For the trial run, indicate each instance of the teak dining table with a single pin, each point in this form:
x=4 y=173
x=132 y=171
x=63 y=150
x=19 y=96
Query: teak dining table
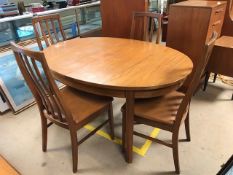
x=121 y=68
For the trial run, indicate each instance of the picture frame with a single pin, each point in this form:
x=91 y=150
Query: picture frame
x=3 y=103
x=13 y=86
x=227 y=168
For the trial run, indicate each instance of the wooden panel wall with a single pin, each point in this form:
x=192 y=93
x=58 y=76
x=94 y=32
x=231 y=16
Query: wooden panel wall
x=117 y=16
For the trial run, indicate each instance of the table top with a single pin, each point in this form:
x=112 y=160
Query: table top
x=224 y=41
x=118 y=63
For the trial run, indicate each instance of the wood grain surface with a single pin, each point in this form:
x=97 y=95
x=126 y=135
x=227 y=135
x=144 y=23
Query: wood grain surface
x=117 y=16
x=224 y=41
x=119 y=68
x=118 y=63
x=221 y=60
x=6 y=168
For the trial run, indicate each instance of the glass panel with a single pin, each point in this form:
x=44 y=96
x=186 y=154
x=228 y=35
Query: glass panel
x=68 y=19
x=158 y=6
x=6 y=34
x=90 y=19
x=23 y=29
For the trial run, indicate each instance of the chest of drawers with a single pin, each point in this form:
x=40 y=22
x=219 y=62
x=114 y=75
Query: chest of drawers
x=191 y=24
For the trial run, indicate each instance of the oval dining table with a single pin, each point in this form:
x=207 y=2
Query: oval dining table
x=123 y=68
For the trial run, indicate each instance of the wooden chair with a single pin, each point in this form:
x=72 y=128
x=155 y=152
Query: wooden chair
x=68 y=108
x=143 y=26
x=170 y=111
x=45 y=28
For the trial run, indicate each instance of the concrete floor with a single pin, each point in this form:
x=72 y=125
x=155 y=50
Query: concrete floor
x=211 y=145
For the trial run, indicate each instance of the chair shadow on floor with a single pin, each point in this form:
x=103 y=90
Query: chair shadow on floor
x=159 y=173
x=214 y=93
x=56 y=149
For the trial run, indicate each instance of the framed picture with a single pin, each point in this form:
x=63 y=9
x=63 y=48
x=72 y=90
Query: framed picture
x=12 y=83
x=3 y=103
x=227 y=169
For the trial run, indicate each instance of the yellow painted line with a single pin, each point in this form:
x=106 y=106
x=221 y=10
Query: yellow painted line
x=148 y=143
x=141 y=151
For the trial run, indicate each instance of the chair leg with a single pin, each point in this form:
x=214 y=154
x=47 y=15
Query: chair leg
x=44 y=133
x=175 y=152
x=207 y=76
x=215 y=77
x=187 y=127
x=232 y=97
x=111 y=121
x=123 y=130
x=74 y=145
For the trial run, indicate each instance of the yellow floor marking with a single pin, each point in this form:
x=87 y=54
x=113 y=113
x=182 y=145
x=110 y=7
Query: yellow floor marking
x=148 y=143
x=141 y=151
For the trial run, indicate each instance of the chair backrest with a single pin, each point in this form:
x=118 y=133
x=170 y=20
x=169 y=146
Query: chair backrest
x=195 y=80
x=47 y=28
x=143 y=26
x=40 y=81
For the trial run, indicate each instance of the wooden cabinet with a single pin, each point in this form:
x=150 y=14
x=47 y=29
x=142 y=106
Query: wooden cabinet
x=227 y=28
x=191 y=24
x=117 y=16
x=221 y=60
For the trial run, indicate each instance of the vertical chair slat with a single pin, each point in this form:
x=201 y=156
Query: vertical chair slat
x=61 y=30
x=41 y=91
x=147 y=31
x=49 y=94
x=43 y=33
x=132 y=28
x=35 y=26
x=159 y=29
x=49 y=33
x=54 y=30
x=151 y=29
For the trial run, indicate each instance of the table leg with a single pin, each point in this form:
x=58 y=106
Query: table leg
x=129 y=126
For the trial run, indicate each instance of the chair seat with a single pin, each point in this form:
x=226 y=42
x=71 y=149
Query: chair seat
x=160 y=109
x=83 y=105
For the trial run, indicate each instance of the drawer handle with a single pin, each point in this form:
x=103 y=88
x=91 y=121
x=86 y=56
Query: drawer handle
x=219 y=11
x=216 y=23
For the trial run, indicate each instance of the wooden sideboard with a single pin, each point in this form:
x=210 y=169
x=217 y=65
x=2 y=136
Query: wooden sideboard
x=191 y=24
x=117 y=16
x=221 y=60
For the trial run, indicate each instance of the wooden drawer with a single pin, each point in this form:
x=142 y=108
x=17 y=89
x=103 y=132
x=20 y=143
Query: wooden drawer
x=218 y=13
x=214 y=27
x=216 y=21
